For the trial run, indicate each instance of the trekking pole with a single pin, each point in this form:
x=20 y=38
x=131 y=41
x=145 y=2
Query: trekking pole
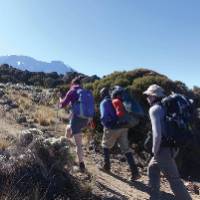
x=57 y=117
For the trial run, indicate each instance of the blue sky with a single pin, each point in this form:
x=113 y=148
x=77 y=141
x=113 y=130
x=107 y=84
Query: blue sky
x=102 y=36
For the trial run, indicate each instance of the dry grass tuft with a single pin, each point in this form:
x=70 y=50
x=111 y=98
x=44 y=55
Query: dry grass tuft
x=22 y=99
x=45 y=116
x=24 y=103
x=5 y=143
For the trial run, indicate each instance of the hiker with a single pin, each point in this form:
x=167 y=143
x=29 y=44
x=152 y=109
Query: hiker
x=128 y=110
x=76 y=122
x=113 y=133
x=163 y=156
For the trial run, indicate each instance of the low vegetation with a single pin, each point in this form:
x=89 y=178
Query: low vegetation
x=37 y=166
x=136 y=82
x=44 y=116
x=39 y=105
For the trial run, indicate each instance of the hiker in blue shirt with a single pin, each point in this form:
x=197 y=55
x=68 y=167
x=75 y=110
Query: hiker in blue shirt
x=163 y=157
x=113 y=133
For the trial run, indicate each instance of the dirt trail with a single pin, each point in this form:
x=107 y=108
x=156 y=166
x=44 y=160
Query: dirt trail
x=116 y=183
x=121 y=188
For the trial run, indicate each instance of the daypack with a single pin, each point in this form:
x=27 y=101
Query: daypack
x=84 y=107
x=132 y=108
x=178 y=118
x=132 y=105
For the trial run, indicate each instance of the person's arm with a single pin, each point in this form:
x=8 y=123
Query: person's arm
x=103 y=114
x=155 y=116
x=67 y=99
x=108 y=114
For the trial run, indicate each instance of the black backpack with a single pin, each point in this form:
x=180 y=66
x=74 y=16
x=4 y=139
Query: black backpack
x=178 y=118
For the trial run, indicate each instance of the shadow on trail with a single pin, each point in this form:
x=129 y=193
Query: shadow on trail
x=118 y=195
x=142 y=187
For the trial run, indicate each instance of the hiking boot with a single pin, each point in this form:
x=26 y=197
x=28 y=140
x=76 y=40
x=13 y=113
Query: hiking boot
x=82 y=167
x=133 y=167
x=134 y=177
x=104 y=167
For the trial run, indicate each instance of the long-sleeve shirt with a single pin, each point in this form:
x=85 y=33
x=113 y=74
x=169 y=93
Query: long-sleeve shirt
x=157 y=113
x=108 y=113
x=71 y=97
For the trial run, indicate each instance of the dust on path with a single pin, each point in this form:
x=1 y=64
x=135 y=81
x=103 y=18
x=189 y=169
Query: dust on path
x=117 y=182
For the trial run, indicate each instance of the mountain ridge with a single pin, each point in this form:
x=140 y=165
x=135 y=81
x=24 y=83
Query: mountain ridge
x=33 y=65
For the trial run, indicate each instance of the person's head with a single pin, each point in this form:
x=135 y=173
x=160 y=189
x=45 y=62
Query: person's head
x=76 y=81
x=104 y=92
x=117 y=92
x=154 y=93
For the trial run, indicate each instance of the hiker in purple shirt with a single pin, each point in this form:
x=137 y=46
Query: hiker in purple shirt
x=76 y=123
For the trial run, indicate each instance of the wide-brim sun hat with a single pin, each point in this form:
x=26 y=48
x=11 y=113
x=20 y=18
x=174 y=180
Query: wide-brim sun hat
x=155 y=90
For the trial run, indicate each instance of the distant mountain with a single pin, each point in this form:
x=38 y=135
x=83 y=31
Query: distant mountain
x=33 y=65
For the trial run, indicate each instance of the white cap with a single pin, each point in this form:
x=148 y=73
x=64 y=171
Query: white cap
x=155 y=90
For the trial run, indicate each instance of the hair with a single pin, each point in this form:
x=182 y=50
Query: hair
x=157 y=99
x=117 y=94
x=104 y=92
x=76 y=80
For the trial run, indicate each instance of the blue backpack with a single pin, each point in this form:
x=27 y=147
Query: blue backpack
x=178 y=118
x=131 y=105
x=84 y=107
x=133 y=110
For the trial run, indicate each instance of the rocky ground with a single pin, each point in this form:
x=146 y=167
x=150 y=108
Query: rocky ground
x=116 y=185
x=28 y=108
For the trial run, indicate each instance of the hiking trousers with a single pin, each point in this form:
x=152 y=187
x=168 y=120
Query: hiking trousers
x=165 y=162
x=111 y=136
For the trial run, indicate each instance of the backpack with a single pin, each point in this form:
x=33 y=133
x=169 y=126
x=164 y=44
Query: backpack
x=178 y=118
x=131 y=105
x=84 y=107
x=132 y=108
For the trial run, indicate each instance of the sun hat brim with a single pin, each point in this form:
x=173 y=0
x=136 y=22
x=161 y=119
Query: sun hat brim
x=156 y=93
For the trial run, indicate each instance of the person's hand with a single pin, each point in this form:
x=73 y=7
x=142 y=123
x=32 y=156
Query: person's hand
x=91 y=123
x=61 y=94
x=68 y=132
x=59 y=105
x=58 y=94
x=90 y=120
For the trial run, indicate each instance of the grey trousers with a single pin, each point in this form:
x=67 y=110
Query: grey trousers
x=165 y=162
